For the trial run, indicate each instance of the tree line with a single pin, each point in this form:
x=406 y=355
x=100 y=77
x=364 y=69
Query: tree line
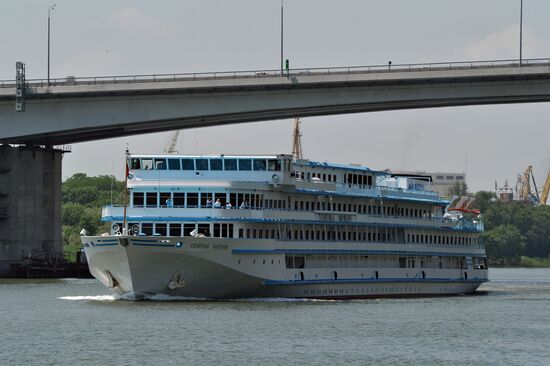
x=82 y=198
x=513 y=230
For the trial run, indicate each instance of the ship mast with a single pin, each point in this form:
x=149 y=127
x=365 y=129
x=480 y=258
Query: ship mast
x=297 y=152
x=127 y=171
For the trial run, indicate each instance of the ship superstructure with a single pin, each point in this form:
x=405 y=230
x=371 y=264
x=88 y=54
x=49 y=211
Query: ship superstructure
x=275 y=226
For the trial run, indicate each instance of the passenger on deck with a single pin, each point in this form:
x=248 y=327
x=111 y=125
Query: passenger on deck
x=169 y=202
x=218 y=204
x=228 y=205
x=209 y=203
x=243 y=205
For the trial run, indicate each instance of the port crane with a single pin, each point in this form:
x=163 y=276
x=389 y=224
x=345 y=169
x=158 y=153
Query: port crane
x=545 y=190
x=523 y=187
x=526 y=188
x=526 y=193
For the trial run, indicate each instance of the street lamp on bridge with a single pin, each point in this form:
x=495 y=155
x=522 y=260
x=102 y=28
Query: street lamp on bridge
x=49 y=15
x=520 y=32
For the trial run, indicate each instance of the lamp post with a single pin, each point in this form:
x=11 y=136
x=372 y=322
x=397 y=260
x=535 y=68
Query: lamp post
x=49 y=15
x=282 y=72
x=520 y=32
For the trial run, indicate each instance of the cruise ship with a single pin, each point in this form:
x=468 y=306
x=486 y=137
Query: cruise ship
x=220 y=227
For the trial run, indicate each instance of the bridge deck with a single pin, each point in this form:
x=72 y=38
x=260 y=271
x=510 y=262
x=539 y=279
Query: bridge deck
x=80 y=109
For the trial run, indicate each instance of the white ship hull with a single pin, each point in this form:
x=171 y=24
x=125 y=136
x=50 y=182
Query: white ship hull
x=214 y=268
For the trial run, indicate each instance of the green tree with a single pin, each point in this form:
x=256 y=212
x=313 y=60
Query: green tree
x=504 y=242
x=458 y=189
x=538 y=234
x=82 y=199
x=483 y=199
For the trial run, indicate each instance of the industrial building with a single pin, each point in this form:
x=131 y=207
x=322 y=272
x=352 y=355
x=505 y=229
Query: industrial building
x=440 y=182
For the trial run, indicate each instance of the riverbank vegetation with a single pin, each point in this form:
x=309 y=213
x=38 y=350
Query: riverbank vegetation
x=82 y=198
x=516 y=233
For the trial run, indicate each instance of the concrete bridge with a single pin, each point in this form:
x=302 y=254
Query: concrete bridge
x=79 y=109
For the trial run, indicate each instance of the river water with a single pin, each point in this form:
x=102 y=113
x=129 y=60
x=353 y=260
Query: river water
x=73 y=322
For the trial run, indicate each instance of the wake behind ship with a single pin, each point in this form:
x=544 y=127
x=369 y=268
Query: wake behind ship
x=273 y=226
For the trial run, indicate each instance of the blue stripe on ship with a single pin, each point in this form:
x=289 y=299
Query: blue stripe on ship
x=352 y=251
x=371 y=280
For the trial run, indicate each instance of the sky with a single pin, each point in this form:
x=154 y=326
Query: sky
x=123 y=37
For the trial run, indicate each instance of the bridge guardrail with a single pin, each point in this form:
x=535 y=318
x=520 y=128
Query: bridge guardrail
x=386 y=68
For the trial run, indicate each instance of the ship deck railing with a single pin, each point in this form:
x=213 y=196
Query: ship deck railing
x=355 y=189
x=460 y=224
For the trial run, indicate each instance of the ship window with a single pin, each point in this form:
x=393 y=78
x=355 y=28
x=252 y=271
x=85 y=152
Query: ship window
x=217 y=230
x=439 y=177
x=135 y=163
x=459 y=177
x=160 y=229
x=274 y=165
x=164 y=196
x=175 y=229
x=450 y=177
x=187 y=228
x=192 y=199
x=179 y=199
x=202 y=164
x=204 y=229
x=147 y=164
x=241 y=233
x=174 y=164
x=245 y=164
x=147 y=229
x=138 y=199
x=151 y=199
x=259 y=164
x=187 y=164
x=230 y=164
x=160 y=164
x=215 y=164
x=233 y=200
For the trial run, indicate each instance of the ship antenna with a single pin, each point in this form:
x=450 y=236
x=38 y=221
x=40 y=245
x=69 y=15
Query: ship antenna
x=127 y=171
x=297 y=152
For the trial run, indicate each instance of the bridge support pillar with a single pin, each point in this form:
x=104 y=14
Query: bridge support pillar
x=30 y=203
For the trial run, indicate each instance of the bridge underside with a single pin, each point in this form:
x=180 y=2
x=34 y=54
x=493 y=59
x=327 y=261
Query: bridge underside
x=74 y=113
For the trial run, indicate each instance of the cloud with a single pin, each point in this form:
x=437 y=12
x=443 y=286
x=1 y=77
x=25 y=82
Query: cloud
x=132 y=21
x=504 y=44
